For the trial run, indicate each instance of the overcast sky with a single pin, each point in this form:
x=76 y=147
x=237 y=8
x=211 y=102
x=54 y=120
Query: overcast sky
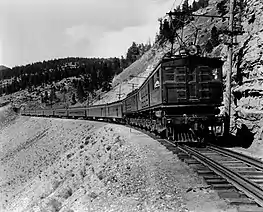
x=36 y=30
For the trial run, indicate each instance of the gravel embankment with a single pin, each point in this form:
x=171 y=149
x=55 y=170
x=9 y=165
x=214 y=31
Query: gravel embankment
x=75 y=166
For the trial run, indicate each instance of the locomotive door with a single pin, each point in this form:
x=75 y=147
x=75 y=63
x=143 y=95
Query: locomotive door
x=193 y=84
x=175 y=83
x=204 y=77
x=198 y=79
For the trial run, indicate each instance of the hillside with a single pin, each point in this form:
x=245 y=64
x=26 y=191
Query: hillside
x=134 y=74
x=2 y=70
x=3 y=67
x=51 y=165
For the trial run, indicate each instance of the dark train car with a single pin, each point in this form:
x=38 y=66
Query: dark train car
x=61 y=112
x=77 y=112
x=130 y=103
x=114 y=111
x=25 y=112
x=150 y=93
x=96 y=111
x=32 y=112
x=48 y=112
x=39 y=112
x=155 y=87
x=143 y=97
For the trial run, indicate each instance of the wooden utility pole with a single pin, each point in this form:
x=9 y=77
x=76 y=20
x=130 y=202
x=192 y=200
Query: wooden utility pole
x=230 y=59
x=120 y=94
x=133 y=85
x=231 y=32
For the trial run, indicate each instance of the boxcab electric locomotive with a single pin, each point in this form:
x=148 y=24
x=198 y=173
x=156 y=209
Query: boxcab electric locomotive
x=181 y=96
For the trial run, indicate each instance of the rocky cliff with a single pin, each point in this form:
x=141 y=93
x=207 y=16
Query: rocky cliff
x=248 y=69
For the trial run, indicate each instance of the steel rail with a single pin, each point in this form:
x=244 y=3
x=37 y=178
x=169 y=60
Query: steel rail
x=248 y=187
x=247 y=159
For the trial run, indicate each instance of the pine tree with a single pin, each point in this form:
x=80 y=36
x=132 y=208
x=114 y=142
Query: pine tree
x=133 y=53
x=195 y=6
x=209 y=46
x=46 y=96
x=222 y=7
x=52 y=96
x=185 y=6
x=73 y=99
x=206 y=3
x=80 y=91
x=214 y=36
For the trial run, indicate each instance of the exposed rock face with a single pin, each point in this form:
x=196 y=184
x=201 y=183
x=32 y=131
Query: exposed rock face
x=248 y=71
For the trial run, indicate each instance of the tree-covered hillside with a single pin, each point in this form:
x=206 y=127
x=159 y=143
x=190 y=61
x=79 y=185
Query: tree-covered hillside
x=92 y=73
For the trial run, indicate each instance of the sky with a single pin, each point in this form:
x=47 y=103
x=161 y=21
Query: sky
x=37 y=30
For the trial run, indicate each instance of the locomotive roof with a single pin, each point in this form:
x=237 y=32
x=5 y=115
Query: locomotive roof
x=213 y=62
x=187 y=60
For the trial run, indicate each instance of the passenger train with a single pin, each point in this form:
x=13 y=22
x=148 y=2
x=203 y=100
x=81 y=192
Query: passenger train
x=181 y=97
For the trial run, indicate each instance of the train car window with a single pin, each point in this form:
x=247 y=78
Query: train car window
x=140 y=95
x=157 y=84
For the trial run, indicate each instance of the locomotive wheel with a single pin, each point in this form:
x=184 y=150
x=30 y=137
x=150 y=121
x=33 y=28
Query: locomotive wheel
x=164 y=134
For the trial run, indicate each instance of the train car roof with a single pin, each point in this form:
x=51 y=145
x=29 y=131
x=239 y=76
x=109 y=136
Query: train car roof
x=112 y=103
x=133 y=92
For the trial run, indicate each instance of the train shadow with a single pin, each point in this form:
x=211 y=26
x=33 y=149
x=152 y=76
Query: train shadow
x=243 y=138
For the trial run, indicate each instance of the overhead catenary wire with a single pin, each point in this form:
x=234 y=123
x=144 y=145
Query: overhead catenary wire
x=173 y=6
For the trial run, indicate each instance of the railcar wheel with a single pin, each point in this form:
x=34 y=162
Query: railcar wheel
x=171 y=133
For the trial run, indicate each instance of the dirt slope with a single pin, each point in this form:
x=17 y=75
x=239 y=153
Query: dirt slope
x=49 y=165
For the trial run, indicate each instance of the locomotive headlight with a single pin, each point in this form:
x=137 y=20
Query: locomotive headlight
x=169 y=121
x=192 y=50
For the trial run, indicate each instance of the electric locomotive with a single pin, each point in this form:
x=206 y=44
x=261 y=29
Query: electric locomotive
x=180 y=99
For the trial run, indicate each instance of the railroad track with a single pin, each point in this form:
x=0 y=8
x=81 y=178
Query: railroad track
x=236 y=177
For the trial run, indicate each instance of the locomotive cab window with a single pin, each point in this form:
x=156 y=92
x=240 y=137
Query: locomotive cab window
x=156 y=80
x=217 y=74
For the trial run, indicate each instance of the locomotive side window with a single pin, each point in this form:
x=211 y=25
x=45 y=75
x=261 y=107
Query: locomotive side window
x=204 y=73
x=180 y=74
x=169 y=74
